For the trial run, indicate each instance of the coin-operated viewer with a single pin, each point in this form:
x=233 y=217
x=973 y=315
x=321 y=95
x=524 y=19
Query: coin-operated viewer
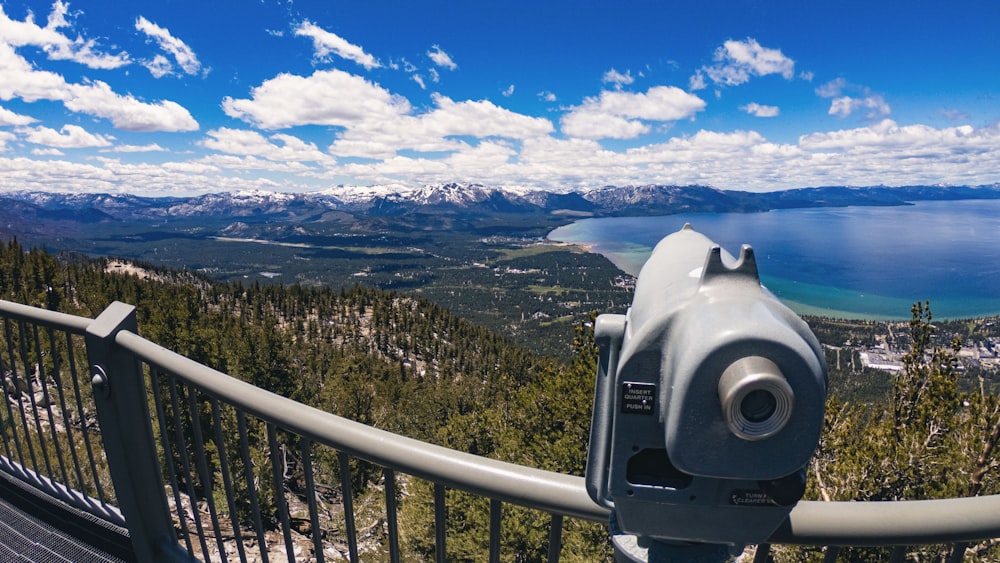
x=709 y=401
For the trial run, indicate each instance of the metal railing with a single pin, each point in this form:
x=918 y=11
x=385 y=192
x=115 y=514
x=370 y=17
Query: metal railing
x=50 y=437
x=197 y=464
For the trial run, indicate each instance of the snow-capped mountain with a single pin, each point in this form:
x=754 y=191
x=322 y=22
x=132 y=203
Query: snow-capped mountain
x=655 y=199
x=247 y=204
x=458 y=200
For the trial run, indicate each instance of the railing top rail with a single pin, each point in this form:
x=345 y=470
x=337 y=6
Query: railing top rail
x=829 y=523
x=907 y=522
x=45 y=317
x=553 y=492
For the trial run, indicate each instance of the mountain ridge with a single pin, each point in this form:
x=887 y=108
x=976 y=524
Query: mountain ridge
x=468 y=200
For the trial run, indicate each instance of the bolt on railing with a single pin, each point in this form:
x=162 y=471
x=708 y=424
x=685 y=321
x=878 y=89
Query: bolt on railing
x=199 y=464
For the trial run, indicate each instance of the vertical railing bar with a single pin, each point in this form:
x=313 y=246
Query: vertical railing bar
x=555 y=538
x=39 y=433
x=391 y=511
x=762 y=553
x=278 y=474
x=5 y=423
x=83 y=429
x=81 y=484
x=258 y=526
x=48 y=398
x=495 y=518
x=168 y=458
x=186 y=464
x=10 y=409
x=347 y=488
x=227 y=481
x=20 y=402
x=832 y=552
x=31 y=394
x=311 y=497
x=25 y=359
x=957 y=554
x=440 y=524
x=205 y=476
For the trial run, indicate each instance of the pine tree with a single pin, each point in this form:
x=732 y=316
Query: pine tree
x=930 y=442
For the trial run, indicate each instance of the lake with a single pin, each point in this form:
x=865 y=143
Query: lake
x=848 y=262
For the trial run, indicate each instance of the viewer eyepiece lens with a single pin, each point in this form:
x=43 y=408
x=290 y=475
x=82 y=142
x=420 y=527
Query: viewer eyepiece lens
x=756 y=399
x=758 y=405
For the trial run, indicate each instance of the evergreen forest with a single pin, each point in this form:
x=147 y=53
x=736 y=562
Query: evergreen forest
x=403 y=363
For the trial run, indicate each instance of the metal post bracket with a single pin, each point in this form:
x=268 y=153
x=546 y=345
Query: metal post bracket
x=123 y=415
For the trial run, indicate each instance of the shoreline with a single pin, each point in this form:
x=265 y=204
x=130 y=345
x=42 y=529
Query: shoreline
x=799 y=307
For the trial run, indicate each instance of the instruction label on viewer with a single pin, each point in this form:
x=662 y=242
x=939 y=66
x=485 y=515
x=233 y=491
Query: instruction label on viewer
x=638 y=398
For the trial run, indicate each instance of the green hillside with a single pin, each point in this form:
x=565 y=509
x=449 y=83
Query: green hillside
x=402 y=363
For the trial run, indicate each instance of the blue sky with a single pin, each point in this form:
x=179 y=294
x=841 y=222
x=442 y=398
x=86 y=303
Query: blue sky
x=181 y=97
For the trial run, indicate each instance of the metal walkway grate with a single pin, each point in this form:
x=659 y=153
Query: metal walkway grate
x=41 y=530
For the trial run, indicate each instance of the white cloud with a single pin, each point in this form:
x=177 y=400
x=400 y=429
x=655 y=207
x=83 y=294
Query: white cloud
x=180 y=51
x=152 y=147
x=420 y=81
x=279 y=148
x=737 y=61
x=327 y=97
x=326 y=43
x=18 y=79
x=849 y=98
x=441 y=58
x=887 y=134
x=587 y=124
x=952 y=114
x=478 y=161
x=466 y=165
x=832 y=88
x=618 y=115
x=618 y=79
x=547 y=96
x=6 y=137
x=438 y=129
x=844 y=106
x=480 y=119
x=227 y=163
x=408 y=66
x=697 y=81
x=54 y=43
x=733 y=160
x=884 y=152
x=126 y=112
x=159 y=66
x=758 y=110
x=508 y=91
x=659 y=103
x=110 y=175
x=8 y=118
x=69 y=137
x=375 y=122
x=47 y=152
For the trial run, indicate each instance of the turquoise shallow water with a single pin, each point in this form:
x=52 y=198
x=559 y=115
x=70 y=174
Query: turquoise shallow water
x=853 y=262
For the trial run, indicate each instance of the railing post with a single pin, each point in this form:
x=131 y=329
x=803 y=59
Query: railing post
x=123 y=414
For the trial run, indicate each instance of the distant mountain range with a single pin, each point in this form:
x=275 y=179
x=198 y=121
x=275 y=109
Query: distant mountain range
x=459 y=200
